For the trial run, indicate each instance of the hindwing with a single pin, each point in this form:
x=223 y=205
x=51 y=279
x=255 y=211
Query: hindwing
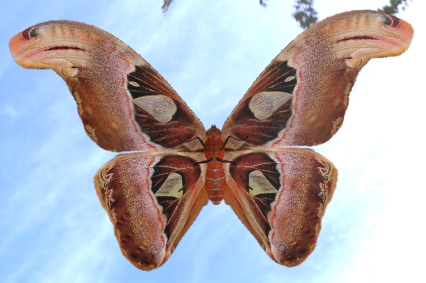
x=153 y=194
x=280 y=196
x=151 y=199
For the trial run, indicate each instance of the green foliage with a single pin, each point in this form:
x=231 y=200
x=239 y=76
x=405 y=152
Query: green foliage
x=306 y=15
x=166 y=5
x=393 y=7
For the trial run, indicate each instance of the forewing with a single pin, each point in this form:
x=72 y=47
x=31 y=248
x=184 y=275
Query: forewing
x=151 y=199
x=281 y=196
x=123 y=102
x=301 y=97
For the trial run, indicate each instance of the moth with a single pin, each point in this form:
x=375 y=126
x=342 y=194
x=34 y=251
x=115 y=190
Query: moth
x=258 y=163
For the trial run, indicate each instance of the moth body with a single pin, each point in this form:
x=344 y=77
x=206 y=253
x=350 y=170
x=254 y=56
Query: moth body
x=215 y=175
x=278 y=188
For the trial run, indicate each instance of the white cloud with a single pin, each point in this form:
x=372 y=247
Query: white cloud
x=9 y=110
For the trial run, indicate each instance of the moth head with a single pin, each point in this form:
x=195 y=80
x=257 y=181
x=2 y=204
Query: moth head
x=213 y=130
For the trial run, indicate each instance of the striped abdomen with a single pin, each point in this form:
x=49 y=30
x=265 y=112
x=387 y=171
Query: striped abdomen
x=215 y=176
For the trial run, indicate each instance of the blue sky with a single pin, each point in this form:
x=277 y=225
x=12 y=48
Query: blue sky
x=53 y=228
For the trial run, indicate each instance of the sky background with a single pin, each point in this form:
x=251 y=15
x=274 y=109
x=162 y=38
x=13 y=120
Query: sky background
x=53 y=228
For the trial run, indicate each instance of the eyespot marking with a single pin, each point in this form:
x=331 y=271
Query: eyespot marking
x=264 y=104
x=135 y=84
x=259 y=184
x=29 y=33
x=391 y=21
x=172 y=186
x=160 y=107
x=289 y=78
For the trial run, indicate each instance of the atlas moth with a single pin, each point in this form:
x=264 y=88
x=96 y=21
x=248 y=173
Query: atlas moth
x=258 y=163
